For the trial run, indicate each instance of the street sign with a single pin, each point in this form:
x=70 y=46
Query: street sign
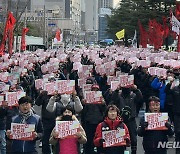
x=51 y=24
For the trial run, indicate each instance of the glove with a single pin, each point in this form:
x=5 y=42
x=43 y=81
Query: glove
x=145 y=124
x=168 y=125
x=101 y=141
x=128 y=142
x=43 y=93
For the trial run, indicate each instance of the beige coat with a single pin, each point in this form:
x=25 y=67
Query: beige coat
x=81 y=140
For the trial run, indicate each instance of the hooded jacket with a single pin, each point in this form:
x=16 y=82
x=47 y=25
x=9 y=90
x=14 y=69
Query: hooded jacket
x=57 y=142
x=156 y=84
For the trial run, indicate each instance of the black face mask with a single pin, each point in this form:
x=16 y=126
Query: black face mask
x=67 y=118
x=126 y=91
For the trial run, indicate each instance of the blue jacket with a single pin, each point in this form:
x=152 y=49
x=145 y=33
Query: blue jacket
x=27 y=146
x=156 y=84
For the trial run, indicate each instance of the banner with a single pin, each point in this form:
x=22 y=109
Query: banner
x=23 y=41
x=175 y=24
x=22 y=131
x=120 y=34
x=114 y=138
x=156 y=121
x=67 y=129
x=10 y=22
x=58 y=36
x=143 y=35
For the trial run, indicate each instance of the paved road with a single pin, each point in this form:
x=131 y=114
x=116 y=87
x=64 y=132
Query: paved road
x=140 y=148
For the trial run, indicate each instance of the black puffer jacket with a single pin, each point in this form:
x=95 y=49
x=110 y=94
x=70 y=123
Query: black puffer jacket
x=3 y=113
x=176 y=98
x=152 y=137
x=43 y=100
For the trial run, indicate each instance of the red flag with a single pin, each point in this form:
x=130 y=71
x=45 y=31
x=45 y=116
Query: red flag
x=143 y=35
x=10 y=22
x=156 y=34
x=23 y=41
x=151 y=31
x=177 y=12
x=165 y=26
x=58 y=34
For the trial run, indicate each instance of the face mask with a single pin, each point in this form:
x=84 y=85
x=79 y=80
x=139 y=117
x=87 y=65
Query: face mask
x=126 y=91
x=66 y=118
x=170 y=78
x=65 y=98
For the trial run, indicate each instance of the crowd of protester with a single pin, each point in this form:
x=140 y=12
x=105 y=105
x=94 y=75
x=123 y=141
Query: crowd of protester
x=118 y=109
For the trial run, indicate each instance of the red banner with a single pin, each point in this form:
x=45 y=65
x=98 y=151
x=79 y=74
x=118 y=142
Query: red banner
x=143 y=35
x=23 y=41
x=10 y=22
x=58 y=34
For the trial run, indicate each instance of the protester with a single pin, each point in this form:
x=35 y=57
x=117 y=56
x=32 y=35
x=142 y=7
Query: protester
x=112 y=121
x=91 y=116
x=67 y=145
x=3 y=114
x=48 y=120
x=175 y=92
x=57 y=102
x=159 y=83
x=26 y=116
x=151 y=138
x=126 y=101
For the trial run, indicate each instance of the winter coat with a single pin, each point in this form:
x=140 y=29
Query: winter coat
x=152 y=137
x=156 y=84
x=27 y=146
x=3 y=113
x=176 y=98
x=111 y=125
x=68 y=144
x=120 y=101
x=93 y=113
x=43 y=100
x=53 y=106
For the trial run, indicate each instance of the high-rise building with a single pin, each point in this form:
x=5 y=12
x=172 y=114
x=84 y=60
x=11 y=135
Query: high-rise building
x=91 y=20
x=105 y=3
x=64 y=14
x=104 y=7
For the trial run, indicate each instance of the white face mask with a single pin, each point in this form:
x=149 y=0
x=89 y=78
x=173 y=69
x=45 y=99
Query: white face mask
x=65 y=98
x=170 y=78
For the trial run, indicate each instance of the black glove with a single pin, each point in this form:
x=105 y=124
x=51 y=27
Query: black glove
x=145 y=124
x=43 y=93
x=101 y=141
x=128 y=142
x=168 y=125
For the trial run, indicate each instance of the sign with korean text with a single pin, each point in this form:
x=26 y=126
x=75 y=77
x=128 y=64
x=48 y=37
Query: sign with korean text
x=114 y=138
x=22 y=131
x=93 y=97
x=67 y=129
x=65 y=86
x=156 y=121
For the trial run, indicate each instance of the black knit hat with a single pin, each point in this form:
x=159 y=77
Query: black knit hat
x=68 y=107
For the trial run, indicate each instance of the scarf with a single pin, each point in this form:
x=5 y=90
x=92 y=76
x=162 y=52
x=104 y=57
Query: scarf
x=25 y=116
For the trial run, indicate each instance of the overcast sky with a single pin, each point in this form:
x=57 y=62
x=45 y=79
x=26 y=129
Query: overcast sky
x=116 y=2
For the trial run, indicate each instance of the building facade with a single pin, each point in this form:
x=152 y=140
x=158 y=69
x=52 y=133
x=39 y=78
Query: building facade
x=91 y=21
x=104 y=7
